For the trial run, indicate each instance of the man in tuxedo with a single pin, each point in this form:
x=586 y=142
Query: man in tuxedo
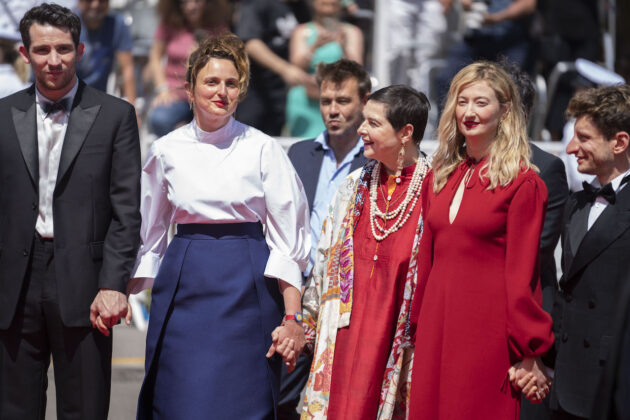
x=595 y=245
x=69 y=226
x=322 y=163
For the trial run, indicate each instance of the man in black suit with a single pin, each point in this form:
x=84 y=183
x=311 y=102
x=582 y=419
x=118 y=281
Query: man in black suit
x=322 y=164
x=595 y=249
x=553 y=174
x=69 y=226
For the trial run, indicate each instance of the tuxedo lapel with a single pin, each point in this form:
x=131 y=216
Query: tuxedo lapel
x=578 y=225
x=25 y=124
x=611 y=224
x=81 y=119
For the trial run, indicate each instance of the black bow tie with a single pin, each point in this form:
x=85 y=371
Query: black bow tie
x=53 y=107
x=607 y=192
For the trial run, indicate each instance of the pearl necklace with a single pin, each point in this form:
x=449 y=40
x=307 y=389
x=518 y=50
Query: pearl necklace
x=403 y=211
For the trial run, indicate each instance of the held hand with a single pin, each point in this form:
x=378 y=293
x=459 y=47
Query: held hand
x=107 y=309
x=293 y=330
x=284 y=348
x=531 y=377
x=274 y=342
x=288 y=341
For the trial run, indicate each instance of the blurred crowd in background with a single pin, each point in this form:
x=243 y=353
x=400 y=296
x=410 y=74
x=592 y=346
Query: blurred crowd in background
x=138 y=49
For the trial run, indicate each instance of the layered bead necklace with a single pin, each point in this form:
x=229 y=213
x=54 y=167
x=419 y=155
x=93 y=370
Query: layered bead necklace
x=379 y=218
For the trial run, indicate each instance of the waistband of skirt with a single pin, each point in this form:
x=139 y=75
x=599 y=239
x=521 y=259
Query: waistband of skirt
x=220 y=230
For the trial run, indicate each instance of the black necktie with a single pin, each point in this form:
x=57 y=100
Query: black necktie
x=54 y=107
x=607 y=192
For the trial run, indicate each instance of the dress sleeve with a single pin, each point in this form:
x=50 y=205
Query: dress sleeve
x=286 y=218
x=425 y=257
x=529 y=326
x=156 y=214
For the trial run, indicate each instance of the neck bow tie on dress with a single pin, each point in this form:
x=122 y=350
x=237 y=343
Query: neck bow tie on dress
x=54 y=107
x=607 y=192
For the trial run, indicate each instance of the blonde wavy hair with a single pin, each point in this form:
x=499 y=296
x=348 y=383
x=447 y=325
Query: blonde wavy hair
x=509 y=153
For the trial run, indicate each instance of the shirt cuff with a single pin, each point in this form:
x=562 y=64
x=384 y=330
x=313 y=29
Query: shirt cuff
x=138 y=284
x=283 y=268
x=147 y=265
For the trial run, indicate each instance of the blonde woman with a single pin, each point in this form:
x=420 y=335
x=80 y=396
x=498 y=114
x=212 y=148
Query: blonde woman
x=478 y=301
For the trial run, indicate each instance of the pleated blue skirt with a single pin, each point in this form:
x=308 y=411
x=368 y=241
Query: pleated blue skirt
x=212 y=313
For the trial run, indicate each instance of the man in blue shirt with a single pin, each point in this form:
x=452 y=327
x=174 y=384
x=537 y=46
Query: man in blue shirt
x=105 y=36
x=322 y=163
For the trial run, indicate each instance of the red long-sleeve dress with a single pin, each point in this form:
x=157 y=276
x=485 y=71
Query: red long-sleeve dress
x=478 y=300
x=362 y=349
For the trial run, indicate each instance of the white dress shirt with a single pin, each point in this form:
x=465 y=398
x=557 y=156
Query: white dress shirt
x=232 y=175
x=330 y=177
x=51 y=130
x=600 y=203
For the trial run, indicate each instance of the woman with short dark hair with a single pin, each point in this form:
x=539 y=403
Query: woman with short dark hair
x=357 y=300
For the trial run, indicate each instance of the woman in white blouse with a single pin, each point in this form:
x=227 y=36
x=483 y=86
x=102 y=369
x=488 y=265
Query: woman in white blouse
x=242 y=242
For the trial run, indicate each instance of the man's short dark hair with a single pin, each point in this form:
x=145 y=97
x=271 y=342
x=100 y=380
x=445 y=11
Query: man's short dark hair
x=342 y=70
x=608 y=107
x=523 y=83
x=405 y=105
x=50 y=14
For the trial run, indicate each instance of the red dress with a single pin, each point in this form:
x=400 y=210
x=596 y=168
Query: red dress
x=478 y=300
x=362 y=349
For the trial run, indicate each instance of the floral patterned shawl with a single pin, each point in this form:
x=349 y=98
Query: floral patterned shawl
x=327 y=303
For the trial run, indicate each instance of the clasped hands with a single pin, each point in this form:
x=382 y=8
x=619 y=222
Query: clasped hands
x=288 y=341
x=108 y=307
x=532 y=377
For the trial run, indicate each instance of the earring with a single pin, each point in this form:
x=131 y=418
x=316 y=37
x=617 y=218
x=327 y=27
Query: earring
x=400 y=162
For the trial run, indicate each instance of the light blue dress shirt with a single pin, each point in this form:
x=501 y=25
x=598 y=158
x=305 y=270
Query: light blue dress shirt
x=330 y=176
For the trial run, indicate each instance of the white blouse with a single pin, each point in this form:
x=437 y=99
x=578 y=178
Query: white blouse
x=232 y=175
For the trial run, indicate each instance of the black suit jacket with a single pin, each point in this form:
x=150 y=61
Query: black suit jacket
x=613 y=398
x=95 y=202
x=307 y=157
x=554 y=176
x=594 y=271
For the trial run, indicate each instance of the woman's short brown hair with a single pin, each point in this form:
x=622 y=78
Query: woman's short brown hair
x=226 y=46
